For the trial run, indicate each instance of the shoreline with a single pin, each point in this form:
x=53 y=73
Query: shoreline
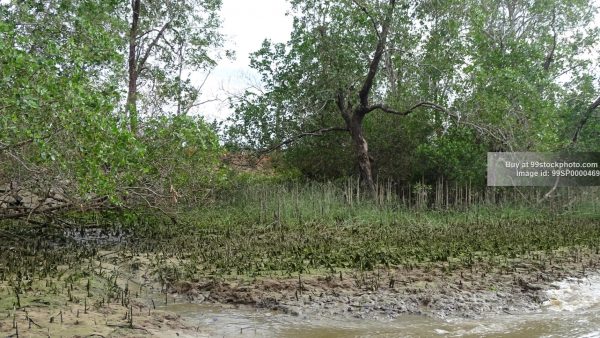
x=463 y=293
x=435 y=290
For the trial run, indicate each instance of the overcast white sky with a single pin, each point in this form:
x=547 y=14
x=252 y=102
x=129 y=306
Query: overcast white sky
x=245 y=24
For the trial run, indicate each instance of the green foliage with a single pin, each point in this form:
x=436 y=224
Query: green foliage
x=457 y=155
x=182 y=158
x=62 y=129
x=517 y=74
x=512 y=76
x=191 y=42
x=326 y=53
x=56 y=99
x=329 y=162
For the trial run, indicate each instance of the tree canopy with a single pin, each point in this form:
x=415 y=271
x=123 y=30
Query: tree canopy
x=65 y=142
x=98 y=108
x=514 y=75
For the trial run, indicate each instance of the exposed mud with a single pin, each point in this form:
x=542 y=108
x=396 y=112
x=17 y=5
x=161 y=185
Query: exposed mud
x=124 y=294
x=110 y=296
x=432 y=291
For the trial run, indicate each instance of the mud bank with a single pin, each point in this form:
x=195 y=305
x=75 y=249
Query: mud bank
x=127 y=295
x=101 y=297
x=478 y=291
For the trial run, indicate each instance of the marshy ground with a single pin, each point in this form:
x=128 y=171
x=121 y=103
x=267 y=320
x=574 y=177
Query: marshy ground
x=103 y=276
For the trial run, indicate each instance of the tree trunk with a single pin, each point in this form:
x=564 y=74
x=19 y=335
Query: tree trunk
x=354 y=116
x=133 y=71
x=362 y=152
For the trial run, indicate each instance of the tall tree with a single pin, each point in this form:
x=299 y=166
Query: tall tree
x=332 y=67
x=528 y=64
x=493 y=66
x=62 y=144
x=166 y=39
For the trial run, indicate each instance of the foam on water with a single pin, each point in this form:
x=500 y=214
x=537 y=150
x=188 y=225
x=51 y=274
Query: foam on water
x=595 y=334
x=574 y=294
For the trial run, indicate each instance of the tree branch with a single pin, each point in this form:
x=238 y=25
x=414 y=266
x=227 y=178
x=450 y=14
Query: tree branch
x=586 y=117
x=502 y=138
x=550 y=56
x=28 y=212
x=4 y=146
x=373 y=22
x=340 y=100
x=142 y=62
x=425 y=104
x=318 y=132
x=363 y=95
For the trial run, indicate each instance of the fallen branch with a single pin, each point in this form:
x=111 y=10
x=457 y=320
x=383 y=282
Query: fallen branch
x=96 y=204
x=27 y=213
x=5 y=146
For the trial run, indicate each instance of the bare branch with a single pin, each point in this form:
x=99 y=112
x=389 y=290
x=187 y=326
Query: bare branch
x=586 y=117
x=15 y=145
x=152 y=192
x=142 y=62
x=423 y=104
x=550 y=56
x=204 y=80
x=549 y=193
x=28 y=213
x=481 y=129
x=22 y=162
x=147 y=32
x=363 y=95
x=173 y=49
x=172 y=216
x=318 y=132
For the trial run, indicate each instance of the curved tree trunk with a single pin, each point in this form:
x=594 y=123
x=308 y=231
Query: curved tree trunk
x=354 y=115
x=362 y=152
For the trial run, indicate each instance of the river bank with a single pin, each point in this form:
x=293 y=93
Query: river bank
x=122 y=295
x=478 y=291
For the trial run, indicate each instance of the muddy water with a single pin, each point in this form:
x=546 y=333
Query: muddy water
x=573 y=310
